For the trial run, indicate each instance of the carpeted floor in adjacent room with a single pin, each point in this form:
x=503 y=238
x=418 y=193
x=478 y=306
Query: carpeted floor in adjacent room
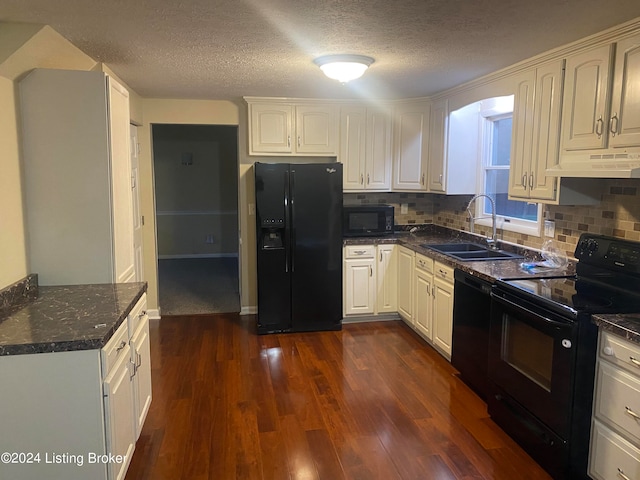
x=198 y=285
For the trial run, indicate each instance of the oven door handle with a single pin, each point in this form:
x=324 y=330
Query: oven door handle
x=531 y=312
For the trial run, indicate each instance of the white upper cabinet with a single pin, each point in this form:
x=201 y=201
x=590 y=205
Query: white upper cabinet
x=624 y=126
x=453 y=149
x=601 y=100
x=411 y=145
x=287 y=128
x=438 y=146
x=586 y=99
x=365 y=148
x=536 y=133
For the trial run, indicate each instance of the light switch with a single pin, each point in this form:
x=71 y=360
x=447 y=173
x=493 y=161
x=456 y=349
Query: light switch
x=404 y=208
x=549 y=228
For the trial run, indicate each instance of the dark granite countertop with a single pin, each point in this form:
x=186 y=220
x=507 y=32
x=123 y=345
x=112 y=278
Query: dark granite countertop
x=67 y=318
x=626 y=325
x=489 y=270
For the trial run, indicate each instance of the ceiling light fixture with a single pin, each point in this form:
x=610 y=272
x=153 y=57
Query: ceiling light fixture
x=343 y=68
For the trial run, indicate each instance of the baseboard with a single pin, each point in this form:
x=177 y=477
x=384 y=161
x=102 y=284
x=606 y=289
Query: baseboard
x=384 y=317
x=197 y=255
x=154 y=314
x=251 y=310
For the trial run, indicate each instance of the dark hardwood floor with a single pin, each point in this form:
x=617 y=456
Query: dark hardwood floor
x=372 y=401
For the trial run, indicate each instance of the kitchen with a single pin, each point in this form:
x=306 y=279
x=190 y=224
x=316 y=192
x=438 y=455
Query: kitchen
x=616 y=215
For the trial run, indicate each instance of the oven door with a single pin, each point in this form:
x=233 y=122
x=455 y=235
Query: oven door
x=531 y=358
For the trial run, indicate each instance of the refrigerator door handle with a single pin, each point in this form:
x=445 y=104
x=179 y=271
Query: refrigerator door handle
x=292 y=189
x=286 y=221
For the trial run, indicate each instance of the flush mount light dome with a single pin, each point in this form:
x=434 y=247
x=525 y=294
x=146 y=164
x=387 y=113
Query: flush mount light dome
x=343 y=68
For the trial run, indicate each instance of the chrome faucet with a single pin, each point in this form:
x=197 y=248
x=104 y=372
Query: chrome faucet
x=493 y=241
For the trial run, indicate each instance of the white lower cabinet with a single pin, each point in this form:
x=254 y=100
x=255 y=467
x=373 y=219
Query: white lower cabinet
x=78 y=410
x=369 y=280
x=406 y=258
x=442 y=308
x=423 y=296
x=615 y=431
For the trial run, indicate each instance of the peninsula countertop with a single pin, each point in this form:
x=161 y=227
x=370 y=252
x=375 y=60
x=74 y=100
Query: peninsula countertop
x=67 y=318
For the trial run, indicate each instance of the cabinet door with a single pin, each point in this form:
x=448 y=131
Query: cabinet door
x=423 y=303
x=378 y=150
x=270 y=128
x=438 y=146
x=121 y=183
x=546 y=130
x=411 y=146
x=523 y=106
x=586 y=98
x=442 y=316
x=120 y=425
x=353 y=121
x=316 y=129
x=360 y=285
x=386 y=279
x=624 y=124
x=141 y=358
x=405 y=284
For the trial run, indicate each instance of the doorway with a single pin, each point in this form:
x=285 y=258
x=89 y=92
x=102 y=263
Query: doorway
x=196 y=197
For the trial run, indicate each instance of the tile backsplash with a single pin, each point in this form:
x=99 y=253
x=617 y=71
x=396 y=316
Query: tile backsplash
x=617 y=215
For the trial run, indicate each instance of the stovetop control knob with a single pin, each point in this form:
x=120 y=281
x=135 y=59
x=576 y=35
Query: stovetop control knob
x=592 y=246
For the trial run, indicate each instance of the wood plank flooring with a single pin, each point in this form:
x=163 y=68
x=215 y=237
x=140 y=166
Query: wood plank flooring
x=372 y=401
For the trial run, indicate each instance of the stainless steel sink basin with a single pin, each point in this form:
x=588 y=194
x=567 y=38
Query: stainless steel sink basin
x=471 y=252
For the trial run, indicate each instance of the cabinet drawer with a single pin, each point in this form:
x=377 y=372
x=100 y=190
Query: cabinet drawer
x=620 y=352
x=114 y=348
x=360 y=251
x=618 y=399
x=442 y=271
x=611 y=455
x=138 y=312
x=424 y=263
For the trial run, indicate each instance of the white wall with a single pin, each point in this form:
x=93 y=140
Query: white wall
x=35 y=47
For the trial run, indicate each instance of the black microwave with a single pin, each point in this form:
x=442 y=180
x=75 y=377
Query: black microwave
x=367 y=220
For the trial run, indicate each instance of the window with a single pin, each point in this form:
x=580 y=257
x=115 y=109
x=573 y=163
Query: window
x=513 y=215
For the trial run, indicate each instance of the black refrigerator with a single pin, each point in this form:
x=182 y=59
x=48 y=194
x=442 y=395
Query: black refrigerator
x=299 y=251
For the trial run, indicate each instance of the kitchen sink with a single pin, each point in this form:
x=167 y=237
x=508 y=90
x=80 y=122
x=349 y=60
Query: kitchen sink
x=471 y=252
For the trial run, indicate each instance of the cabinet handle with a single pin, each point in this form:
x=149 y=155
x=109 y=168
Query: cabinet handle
x=599 y=125
x=428 y=290
x=380 y=256
x=142 y=314
x=132 y=370
x=440 y=179
x=370 y=271
x=634 y=361
x=632 y=413
x=359 y=252
x=298 y=141
x=613 y=127
x=288 y=140
x=422 y=179
x=531 y=181
x=622 y=475
x=121 y=346
x=524 y=180
x=442 y=272
x=368 y=179
x=138 y=360
x=361 y=179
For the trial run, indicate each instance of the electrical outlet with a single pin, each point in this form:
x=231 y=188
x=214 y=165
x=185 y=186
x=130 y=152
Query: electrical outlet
x=549 y=228
x=404 y=208
x=209 y=238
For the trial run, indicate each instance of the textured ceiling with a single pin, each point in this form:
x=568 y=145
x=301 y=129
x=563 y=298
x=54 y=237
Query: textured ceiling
x=224 y=49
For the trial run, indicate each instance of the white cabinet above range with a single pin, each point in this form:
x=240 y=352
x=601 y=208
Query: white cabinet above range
x=292 y=127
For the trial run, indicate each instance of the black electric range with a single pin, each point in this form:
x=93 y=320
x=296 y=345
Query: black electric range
x=542 y=350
